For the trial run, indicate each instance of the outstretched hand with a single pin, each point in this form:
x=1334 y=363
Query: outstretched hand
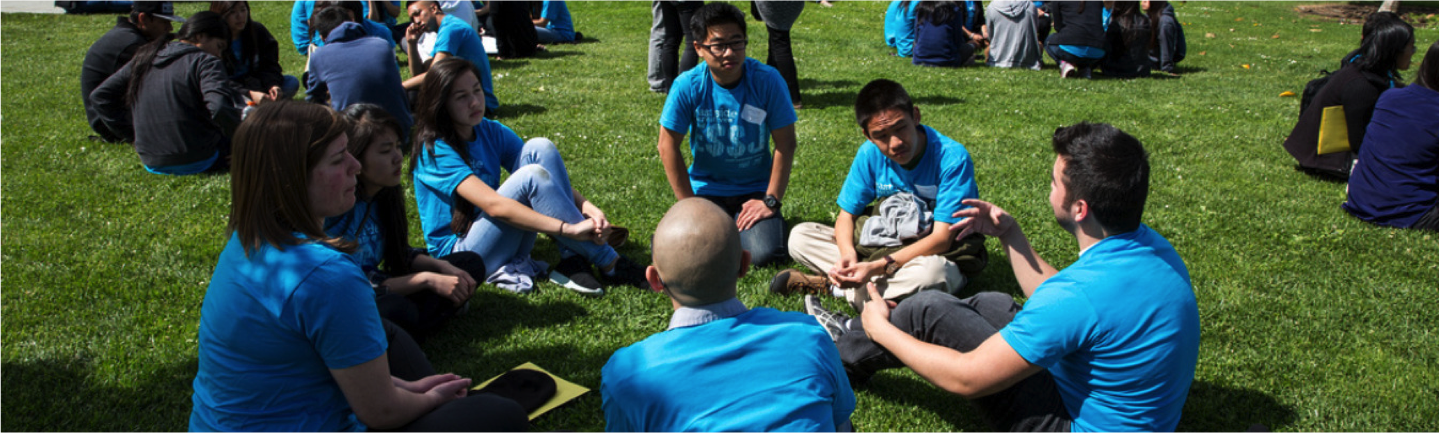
x=982 y=217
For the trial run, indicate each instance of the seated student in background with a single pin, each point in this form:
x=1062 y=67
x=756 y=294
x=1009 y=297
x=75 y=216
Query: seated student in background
x=721 y=366
x=1014 y=42
x=974 y=23
x=731 y=106
x=253 y=59
x=899 y=31
x=904 y=168
x=1128 y=38
x=510 y=24
x=554 y=24
x=354 y=67
x=1396 y=179
x=1168 y=46
x=1373 y=70
x=412 y=289
x=940 y=38
x=289 y=339
x=1108 y=344
x=147 y=22
x=183 y=108
x=1077 y=43
x=453 y=38
x=464 y=207
x=307 y=40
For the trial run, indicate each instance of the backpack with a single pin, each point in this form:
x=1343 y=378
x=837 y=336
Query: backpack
x=1312 y=88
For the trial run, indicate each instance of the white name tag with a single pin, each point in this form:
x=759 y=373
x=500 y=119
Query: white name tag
x=752 y=114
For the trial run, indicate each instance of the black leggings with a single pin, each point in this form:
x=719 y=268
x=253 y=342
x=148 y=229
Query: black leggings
x=475 y=412
x=781 y=57
x=421 y=313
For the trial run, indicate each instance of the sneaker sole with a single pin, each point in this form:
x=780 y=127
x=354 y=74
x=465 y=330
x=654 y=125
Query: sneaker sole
x=566 y=282
x=809 y=303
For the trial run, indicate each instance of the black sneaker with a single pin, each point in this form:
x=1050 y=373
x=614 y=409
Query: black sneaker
x=834 y=323
x=574 y=273
x=628 y=273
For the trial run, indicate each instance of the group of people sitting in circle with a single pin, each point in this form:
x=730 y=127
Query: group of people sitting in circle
x=1124 y=39
x=1364 y=125
x=312 y=314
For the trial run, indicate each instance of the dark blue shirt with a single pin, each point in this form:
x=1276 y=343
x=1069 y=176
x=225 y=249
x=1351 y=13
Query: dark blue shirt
x=1397 y=177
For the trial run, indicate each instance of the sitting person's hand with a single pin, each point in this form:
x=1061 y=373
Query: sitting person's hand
x=983 y=218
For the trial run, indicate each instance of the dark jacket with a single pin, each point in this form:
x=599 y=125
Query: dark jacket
x=1072 y=27
x=355 y=67
x=1127 y=60
x=262 y=63
x=111 y=52
x=184 y=109
x=1355 y=90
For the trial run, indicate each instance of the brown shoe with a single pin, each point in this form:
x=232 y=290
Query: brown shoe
x=792 y=281
x=618 y=236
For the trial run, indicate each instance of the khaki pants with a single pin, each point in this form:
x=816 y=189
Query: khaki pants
x=813 y=245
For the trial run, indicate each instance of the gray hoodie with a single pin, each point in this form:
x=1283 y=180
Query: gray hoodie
x=185 y=108
x=1014 y=41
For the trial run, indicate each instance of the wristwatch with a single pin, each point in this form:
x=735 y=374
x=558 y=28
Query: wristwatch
x=890 y=266
x=772 y=202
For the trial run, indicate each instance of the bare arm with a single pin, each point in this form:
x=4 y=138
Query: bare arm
x=989 y=368
x=416 y=64
x=669 y=147
x=859 y=273
x=1029 y=269
x=379 y=401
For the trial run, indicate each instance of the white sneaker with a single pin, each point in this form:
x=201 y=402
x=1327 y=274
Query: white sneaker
x=1066 y=70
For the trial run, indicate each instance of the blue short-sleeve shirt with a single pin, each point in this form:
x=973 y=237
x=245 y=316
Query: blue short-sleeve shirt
x=729 y=129
x=272 y=326
x=437 y=175
x=457 y=38
x=362 y=226
x=1119 y=331
x=943 y=178
x=559 y=16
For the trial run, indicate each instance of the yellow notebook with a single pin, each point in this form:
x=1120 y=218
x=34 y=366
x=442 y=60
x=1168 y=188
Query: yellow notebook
x=1333 y=131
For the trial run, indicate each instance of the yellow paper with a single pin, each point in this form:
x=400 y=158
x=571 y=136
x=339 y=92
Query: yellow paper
x=1333 y=131
x=564 y=389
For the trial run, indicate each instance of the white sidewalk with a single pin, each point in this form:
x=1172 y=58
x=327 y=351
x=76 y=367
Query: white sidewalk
x=30 y=7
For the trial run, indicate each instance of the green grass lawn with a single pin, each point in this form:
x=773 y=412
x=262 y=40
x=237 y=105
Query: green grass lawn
x=1312 y=320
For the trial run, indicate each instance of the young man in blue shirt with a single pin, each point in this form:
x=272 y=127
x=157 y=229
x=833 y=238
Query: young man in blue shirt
x=554 y=24
x=721 y=366
x=902 y=165
x=731 y=106
x=453 y=37
x=1108 y=344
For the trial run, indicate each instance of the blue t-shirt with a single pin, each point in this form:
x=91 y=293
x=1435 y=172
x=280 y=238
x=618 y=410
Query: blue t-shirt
x=943 y=178
x=457 y=38
x=361 y=225
x=1397 y=178
x=899 y=28
x=729 y=129
x=272 y=326
x=1119 y=330
x=559 y=17
x=437 y=176
x=762 y=370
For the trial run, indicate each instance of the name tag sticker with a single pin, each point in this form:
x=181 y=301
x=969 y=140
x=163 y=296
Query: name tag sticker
x=752 y=114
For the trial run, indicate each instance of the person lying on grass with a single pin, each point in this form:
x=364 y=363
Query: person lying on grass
x=1108 y=344
x=289 y=339
x=464 y=207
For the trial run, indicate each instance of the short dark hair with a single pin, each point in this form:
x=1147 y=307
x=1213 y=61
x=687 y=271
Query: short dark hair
x=1108 y=169
x=715 y=14
x=878 y=96
x=327 y=20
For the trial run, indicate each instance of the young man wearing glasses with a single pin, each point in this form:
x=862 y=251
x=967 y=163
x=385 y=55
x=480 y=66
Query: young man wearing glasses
x=731 y=106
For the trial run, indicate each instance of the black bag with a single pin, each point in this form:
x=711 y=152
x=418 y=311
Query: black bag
x=1312 y=88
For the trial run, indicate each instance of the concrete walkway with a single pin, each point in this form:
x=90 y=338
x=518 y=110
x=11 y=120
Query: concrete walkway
x=30 y=7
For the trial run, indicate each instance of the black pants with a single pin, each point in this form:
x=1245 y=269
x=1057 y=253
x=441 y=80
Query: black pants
x=781 y=57
x=475 y=412
x=936 y=317
x=421 y=313
x=1430 y=220
x=672 y=62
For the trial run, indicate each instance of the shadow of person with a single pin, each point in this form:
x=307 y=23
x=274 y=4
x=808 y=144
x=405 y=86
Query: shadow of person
x=63 y=395
x=904 y=390
x=510 y=111
x=1212 y=407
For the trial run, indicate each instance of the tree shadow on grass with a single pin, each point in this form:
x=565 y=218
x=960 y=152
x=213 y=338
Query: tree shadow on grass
x=906 y=391
x=508 y=111
x=554 y=54
x=62 y=395
x=1212 y=407
x=495 y=313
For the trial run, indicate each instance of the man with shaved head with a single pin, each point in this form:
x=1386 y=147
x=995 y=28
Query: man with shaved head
x=721 y=366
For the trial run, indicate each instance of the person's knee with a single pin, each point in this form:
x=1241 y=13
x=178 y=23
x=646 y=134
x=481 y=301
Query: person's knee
x=992 y=298
x=915 y=305
x=531 y=173
x=804 y=234
x=541 y=146
x=767 y=253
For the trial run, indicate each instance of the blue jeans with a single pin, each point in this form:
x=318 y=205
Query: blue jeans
x=547 y=36
x=540 y=182
x=765 y=239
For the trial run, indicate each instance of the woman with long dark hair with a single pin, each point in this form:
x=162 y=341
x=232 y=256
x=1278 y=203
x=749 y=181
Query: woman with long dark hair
x=1129 y=37
x=253 y=60
x=463 y=206
x=940 y=38
x=1077 y=43
x=1396 y=179
x=183 y=109
x=412 y=289
x=1368 y=72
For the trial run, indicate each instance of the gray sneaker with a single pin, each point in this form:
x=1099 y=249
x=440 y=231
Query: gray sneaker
x=835 y=324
